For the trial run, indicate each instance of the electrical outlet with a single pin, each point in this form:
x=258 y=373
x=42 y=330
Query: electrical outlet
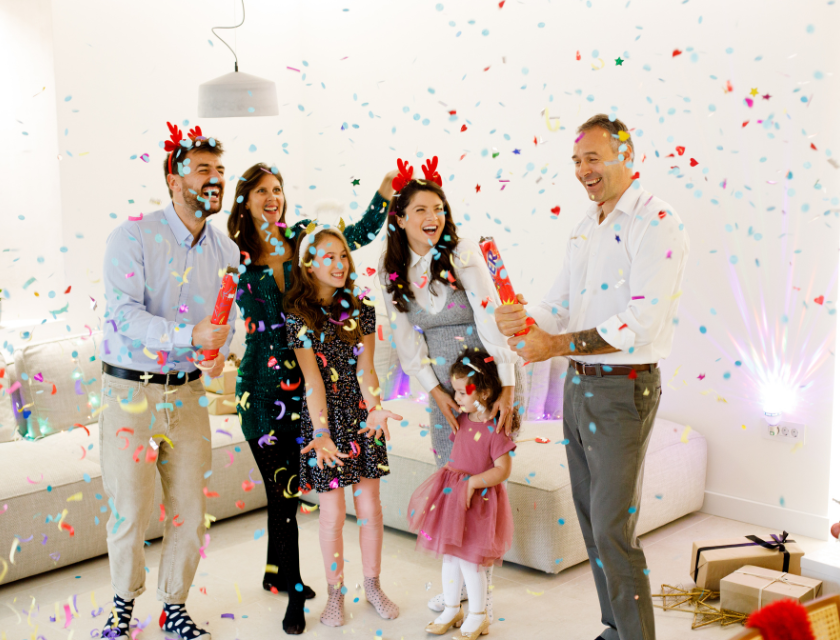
x=786 y=432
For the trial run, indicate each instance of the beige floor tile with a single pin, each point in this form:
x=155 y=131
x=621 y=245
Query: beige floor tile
x=528 y=603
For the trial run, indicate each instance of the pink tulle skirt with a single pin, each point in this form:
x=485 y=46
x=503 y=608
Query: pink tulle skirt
x=482 y=534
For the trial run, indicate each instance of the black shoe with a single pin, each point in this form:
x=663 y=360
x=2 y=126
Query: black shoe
x=307 y=593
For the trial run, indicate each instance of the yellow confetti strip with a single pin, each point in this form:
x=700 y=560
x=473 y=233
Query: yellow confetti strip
x=333 y=375
x=351 y=326
x=164 y=438
x=61 y=519
x=556 y=126
x=477 y=436
x=623 y=135
x=302 y=332
x=208 y=520
x=376 y=391
x=686 y=431
x=238 y=595
x=271 y=568
x=534 y=593
x=76 y=497
x=137 y=407
x=243 y=399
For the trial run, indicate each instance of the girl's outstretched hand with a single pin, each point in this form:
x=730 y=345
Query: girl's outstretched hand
x=377 y=423
x=326 y=451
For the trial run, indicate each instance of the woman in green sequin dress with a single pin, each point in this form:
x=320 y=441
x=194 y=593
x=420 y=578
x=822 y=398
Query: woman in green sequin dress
x=269 y=382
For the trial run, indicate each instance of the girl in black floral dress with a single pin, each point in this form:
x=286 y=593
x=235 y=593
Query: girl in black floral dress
x=332 y=331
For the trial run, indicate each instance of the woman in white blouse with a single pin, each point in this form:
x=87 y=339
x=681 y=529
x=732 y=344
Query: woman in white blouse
x=418 y=279
x=440 y=300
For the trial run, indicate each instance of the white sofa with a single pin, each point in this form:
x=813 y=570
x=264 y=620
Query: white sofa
x=56 y=466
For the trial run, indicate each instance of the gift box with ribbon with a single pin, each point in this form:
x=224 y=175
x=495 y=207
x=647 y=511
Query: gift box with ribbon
x=712 y=560
x=225 y=384
x=220 y=405
x=750 y=588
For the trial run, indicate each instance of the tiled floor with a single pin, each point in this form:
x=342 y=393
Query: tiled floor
x=532 y=604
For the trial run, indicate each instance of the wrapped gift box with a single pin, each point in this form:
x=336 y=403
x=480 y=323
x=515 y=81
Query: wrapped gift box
x=221 y=404
x=225 y=383
x=750 y=588
x=712 y=560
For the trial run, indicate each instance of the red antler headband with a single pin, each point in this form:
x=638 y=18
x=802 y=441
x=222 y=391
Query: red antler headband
x=174 y=142
x=406 y=174
x=430 y=171
x=175 y=137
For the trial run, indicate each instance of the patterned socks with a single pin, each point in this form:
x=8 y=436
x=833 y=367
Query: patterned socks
x=374 y=594
x=175 y=619
x=119 y=628
x=333 y=615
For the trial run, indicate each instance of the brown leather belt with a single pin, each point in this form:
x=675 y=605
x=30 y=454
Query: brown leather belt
x=610 y=369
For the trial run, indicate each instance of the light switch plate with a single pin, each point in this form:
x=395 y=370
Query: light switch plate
x=785 y=432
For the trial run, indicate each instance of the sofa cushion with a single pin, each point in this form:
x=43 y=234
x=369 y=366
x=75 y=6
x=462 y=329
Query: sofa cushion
x=8 y=425
x=69 y=366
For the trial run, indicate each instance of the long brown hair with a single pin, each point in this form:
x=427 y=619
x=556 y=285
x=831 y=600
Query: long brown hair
x=397 y=255
x=241 y=227
x=302 y=299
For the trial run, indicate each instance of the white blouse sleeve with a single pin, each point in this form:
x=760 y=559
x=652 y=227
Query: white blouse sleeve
x=410 y=343
x=473 y=274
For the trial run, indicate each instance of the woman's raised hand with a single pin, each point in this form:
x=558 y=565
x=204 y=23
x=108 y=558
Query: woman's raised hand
x=446 y=405
x=377 y=423
x=385 y=189
x=325 y=450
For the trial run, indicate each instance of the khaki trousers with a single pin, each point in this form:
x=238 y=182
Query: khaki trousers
x=134 y=415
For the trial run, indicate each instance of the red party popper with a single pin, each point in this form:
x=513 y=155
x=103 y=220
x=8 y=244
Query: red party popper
x=493 y=258
x=221 y=311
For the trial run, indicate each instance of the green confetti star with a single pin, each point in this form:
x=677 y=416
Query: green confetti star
x=356 y=182
x=618 y=61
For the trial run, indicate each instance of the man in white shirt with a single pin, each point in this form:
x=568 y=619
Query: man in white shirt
x=612 y=312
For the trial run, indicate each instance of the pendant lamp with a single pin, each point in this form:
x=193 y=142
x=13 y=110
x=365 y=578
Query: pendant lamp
x=236 y=94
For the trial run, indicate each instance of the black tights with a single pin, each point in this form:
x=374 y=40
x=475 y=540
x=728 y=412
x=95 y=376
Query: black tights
x=279 y=464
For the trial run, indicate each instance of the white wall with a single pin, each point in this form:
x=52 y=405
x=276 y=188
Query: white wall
x=30 y=204
x=130 y=67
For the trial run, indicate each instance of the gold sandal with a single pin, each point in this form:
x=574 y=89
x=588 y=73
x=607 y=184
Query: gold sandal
x=441 y=628
x=483 y=629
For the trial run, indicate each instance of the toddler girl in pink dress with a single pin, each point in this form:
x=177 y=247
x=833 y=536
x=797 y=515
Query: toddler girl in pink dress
x=462 y=512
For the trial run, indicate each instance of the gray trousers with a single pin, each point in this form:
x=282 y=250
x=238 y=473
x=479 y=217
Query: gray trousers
x=608 y=421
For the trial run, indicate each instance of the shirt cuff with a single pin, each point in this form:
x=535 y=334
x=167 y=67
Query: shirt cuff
x=617 y=334
x=427 y=378
x=183 y=336
x=507 y=373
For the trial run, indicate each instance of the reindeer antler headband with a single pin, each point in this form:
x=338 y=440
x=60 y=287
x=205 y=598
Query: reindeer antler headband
x=176 y=136
x=406 y=174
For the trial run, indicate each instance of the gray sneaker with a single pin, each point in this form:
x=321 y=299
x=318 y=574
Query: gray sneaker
x=438 y=603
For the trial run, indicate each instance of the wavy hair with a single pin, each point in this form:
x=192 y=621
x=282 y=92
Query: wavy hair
x=484 y=375
x=397 y=256
x=241 y=227
x=302 y=299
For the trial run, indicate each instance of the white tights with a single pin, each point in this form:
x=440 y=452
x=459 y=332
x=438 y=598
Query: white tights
x=455 y=573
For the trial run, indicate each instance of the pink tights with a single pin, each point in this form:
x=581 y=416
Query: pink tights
x=371 y=530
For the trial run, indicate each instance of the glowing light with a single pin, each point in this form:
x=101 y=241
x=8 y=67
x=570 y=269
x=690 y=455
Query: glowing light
x=777 y=397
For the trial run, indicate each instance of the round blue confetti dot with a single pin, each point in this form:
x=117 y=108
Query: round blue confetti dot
x=733 y=259
x=631 y=510
x=298 y=587
x=49 y=488
x=439 y=7
x=592 y=427
x=252 y=148
x=702 y=329
x=203 y=401
x=561 y=522
x=605 y=286
x=737 y=363
x=485 y=32
x=727 y=375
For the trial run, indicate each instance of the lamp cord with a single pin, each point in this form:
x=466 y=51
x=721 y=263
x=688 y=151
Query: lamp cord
x=235 y=59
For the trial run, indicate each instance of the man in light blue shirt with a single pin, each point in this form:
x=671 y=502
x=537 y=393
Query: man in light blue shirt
x=162 y=275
